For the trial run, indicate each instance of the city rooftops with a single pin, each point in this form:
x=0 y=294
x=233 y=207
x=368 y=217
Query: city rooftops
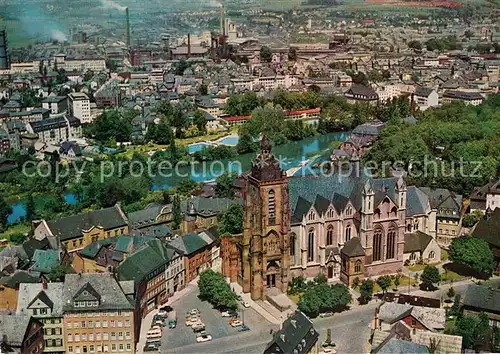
x=78 y=96
x=54 y=99
x=462 y=95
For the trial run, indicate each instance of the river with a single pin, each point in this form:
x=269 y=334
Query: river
x=292 y=154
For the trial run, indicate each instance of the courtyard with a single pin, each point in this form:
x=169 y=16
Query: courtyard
x=215 y=325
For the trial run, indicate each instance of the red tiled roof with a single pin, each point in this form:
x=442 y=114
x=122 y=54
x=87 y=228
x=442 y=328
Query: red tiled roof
x=305 y=111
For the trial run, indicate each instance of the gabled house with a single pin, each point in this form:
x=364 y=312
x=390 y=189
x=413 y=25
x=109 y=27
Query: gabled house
x=9 y=288
x=21 y=334
x=426 y=98
x=297 y=335
x=421 y=247
x=360 y=93
x=77 y=231
x=43 y=301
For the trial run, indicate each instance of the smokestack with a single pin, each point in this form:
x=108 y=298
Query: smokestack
x=127 y=28
x=222 y=20
x=189 y=45
x=412 y=104
x=4 y=53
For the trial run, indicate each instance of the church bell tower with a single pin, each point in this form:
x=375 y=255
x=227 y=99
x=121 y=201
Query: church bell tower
x=266 y=226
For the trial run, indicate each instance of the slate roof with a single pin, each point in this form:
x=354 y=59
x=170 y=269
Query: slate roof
x=369 y=128
x=431 y=318
x=53 y=296
x=416 y=242
x=147 y=215
x=293 y=334
x=443 y=199
x=423 y=91
x=192 y=242
x=353 y=248
x=110 y=292
x=399 y=346
x=71 y=227
x=209 y=206
x=462 y=95
x=416 y=201
x=482 y=298
x=13 y=281
x=143 y=262
x=13 y=329
x=32 y=244
x=488 y=228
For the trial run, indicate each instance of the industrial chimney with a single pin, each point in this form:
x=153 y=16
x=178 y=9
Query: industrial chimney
x=127 y=28
x=189 y=45
x=4 y=53
x=222 y=20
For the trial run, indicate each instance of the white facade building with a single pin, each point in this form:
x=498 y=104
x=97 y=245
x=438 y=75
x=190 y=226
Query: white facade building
x=79 y=106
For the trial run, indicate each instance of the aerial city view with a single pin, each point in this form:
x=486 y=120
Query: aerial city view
x=250 y=176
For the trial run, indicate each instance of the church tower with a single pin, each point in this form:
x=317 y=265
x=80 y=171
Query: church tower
x=266 y=226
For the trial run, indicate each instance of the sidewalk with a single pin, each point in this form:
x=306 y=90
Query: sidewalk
x=149 y=317
x=260 y=310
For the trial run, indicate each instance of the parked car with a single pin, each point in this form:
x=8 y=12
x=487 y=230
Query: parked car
x=225 y=314
x=204 y=338
x=244 y=328
x=236 y=323
x=162 y=313
x=154 y=333
x=326 y=314
x=194 y=312
x=172 y=323
x=166 y=308
x=151 y=348
x=191 y=320
x=198 y=327
x=245 y=304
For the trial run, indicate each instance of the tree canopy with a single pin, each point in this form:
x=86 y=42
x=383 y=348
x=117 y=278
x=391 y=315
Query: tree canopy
x=473 y=252
x=232 y=220
x=214 y=289
x=321 y=297
x=429 y=277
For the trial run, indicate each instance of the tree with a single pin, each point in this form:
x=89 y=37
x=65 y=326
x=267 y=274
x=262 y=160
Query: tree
x=366 y=291
x=397 y=279
x=384 y=282
x=415 y=45
x=429 y=277
x=5 y=211
x=110 y=125
x=181 y=66
x=472 y=219
x=320 y=296
x=224 y=188
x=266 y=54
x=58 y=273
x=176 y=213
x=473 y=252
x=451 y=292
x=214 y=289
x=163 y=133
x=200 y=121
x=166 y=197
x=30 y=208
x=455 y=309
x=245 y=143
x=203 y=89
x=17 y=238
x=232 y=220
x=355 y=282
x=292 y=54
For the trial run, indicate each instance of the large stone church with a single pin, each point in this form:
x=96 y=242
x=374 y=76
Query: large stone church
x=344 y=225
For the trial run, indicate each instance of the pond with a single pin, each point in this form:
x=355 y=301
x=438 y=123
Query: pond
x=19 y=209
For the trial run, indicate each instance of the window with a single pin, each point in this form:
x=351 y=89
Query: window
x=292 y=244
x=83 y=324
x=43 y=311
x=129 y=347
x=413 y=256
x=348 y=211
x=120 y=346
x=271 y=205
x=330 y=214
x=77 y=337
x=329 y=235
x=127 y=335
x=311 y=216
x=91 y=337
x=127 y=323
x=432 y=255
x=357 y=266
x=112 y=323
x=348 y=232
x=377 y=244
x=91 y=348
x=310 y=246
x=113 y=347
x=70 y=348
x=391 y=242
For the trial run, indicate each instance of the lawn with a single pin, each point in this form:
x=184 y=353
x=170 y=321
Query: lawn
x=14 y=229
x=451 y=276
x=403 y=282
x=416 y=267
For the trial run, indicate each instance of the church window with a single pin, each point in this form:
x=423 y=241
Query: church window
x=413 y=256
x=348 y=211
x=377 y=245
x=408 y=228
x=330 y=214
x=432 y=255
x=310 y=246
x=394 y=212
x=311 y=215
x=329 y=236
x=271 y=204
x=357 y=266
x=348 y=233
x=292 y=244
x=391 y=242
